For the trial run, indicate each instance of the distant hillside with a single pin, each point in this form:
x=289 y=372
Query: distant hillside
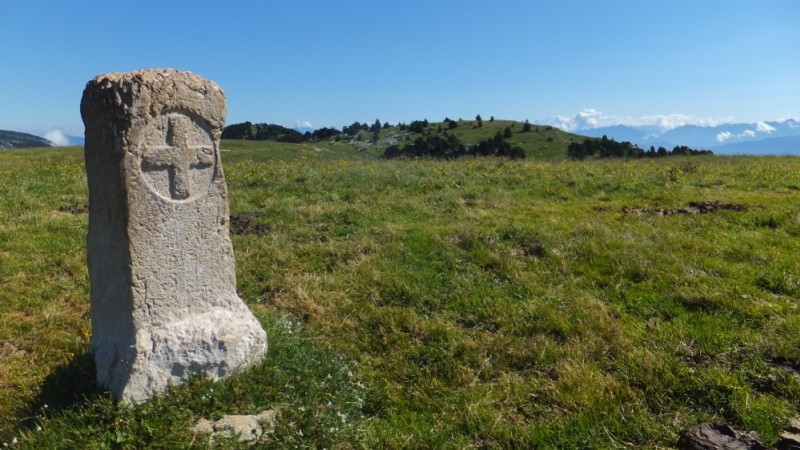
x=15 y=139
x=452 y=138
x=537 y=141
x=365 y=140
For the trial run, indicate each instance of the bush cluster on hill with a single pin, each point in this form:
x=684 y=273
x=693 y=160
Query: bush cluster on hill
x=449 y=147
x=271 y=132
x=609 y=148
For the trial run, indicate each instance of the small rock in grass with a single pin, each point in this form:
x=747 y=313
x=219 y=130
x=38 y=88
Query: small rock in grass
x=249 y=428
x=790 y=439
x=710 y=436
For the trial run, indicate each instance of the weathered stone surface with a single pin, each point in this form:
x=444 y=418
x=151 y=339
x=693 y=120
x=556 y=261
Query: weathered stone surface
x=163 y=288
x=710 y=436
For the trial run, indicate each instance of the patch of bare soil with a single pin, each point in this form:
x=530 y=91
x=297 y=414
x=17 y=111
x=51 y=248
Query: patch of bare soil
x=8 y=350
x=74 y=209
x=245 y=223
x=691 y=208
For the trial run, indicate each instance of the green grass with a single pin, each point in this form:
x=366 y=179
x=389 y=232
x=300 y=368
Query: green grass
x=259 y=151
x=474 y=303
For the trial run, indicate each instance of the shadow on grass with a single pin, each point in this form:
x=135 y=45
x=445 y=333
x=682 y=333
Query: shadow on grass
x=67 y=386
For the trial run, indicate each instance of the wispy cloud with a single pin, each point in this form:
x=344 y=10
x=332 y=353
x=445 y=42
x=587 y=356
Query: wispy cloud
x=303 y=124
x=57 y=137
x=588 y=118
x=724 y=136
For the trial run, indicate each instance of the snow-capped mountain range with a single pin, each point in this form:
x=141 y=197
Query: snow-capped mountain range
x=760 y=138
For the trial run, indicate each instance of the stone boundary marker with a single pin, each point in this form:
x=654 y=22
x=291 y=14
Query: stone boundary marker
x=161 y=266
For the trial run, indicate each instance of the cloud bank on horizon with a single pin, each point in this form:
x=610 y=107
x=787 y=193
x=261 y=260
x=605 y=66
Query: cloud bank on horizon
x=589 y=118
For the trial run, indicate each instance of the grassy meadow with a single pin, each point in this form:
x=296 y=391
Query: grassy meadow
x=481 y=303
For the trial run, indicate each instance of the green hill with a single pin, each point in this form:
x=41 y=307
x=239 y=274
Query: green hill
x=541 y=142
x=15 y=139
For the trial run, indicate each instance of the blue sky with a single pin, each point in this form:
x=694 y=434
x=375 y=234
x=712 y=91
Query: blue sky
x=330 y=63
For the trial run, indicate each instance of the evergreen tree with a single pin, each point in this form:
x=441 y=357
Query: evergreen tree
x=418 y=126
x=376 y=130
x=375 y=126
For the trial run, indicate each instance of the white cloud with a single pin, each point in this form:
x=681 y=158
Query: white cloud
x=303 y=124
x=57 y=137
x=588 y=118
x=723 y=136
x=762 y=127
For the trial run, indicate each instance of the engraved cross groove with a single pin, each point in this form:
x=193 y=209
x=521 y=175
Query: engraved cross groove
x=179 y=158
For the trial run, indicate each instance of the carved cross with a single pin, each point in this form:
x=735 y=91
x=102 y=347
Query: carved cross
x=178 y=157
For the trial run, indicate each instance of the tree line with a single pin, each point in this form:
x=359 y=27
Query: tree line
x=271 y=132
x=609 y=148
x=279 y=133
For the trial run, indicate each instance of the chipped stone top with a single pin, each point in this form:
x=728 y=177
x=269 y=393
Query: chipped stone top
x=152 y=91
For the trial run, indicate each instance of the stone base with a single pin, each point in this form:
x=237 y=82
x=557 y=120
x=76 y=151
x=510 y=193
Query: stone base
x=215 y=343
